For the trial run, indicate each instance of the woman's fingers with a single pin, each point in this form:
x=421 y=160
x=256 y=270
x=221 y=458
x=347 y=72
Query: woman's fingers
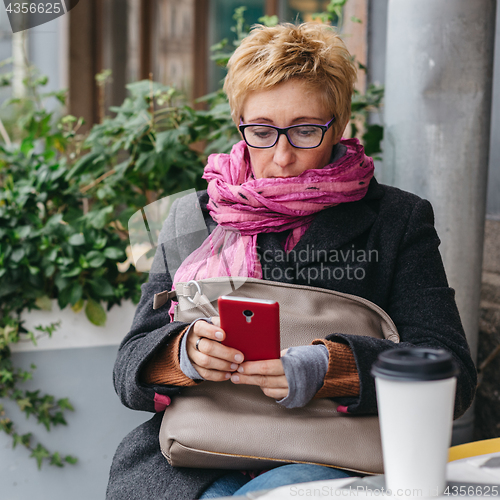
x=269 y=381
x=265 y=367
x=212 y=375
x=269 y=375
x=212 y=360
x=275 y=393
x=217 y=350
x=205 y=331
x=203 y=356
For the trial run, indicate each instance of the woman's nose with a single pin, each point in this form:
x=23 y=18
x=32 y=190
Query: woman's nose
x=284 y=153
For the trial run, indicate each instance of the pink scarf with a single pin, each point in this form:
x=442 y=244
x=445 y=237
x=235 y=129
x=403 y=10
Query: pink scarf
x=244 y=206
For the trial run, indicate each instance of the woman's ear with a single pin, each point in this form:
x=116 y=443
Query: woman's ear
x=340 y=134
x=240 y=121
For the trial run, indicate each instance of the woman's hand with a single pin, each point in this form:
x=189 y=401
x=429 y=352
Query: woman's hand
x=268 y=374
x=212 y=360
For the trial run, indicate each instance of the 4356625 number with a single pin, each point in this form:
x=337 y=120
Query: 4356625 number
x=33 y=8
x=476 y=490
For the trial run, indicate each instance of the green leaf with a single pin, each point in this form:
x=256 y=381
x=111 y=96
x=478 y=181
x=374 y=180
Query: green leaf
x=76 y=239
x=362 y=66
x=52 y=255
x=114 y=253
x=64 y=404
x=64 y=261
x=269 y=21
x=78 y=306
x=95 y=258
x=16 y=439
x=24 y=403
x=27 y=145
x=70 y=460
x=101 y=287
x=49 y=270
x=44 y=303
x=32 y=337
x=95 y=313
x=354 y=129
x=23 y=231
x=72 y=272
x=121 y=168
x=56 y=460
x=68 y=119
x=98 y=220
x=17 y=255
x=372 y=139
x=167 y=139
x=100 y=242
x=82 y=164
x=54 y=220
x=33 y=270
x=75 y=293
x=26 y=439
x=60 y=282
x=63 y=299
x=39 y=453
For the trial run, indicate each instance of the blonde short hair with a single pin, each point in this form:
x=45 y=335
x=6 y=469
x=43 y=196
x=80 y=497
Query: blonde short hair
x=310 y=52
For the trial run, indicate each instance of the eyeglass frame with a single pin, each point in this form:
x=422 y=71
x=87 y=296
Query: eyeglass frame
x=284 y=131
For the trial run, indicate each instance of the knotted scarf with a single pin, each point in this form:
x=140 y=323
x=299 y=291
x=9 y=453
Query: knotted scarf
x=244 y=206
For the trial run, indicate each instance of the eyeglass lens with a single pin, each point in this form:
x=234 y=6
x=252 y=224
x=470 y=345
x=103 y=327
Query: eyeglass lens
x=261 y=136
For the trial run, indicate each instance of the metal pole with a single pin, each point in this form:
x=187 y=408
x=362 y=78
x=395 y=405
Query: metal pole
x=437 y=129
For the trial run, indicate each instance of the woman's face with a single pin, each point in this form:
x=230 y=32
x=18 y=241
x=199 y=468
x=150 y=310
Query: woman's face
x=289 y=103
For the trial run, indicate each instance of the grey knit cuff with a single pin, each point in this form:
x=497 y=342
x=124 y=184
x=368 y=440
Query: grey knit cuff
x=305 y=370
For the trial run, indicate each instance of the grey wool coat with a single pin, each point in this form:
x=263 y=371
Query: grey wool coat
x=383 y=247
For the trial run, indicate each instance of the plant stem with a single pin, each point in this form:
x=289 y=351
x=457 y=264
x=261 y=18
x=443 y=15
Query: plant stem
x=151 y=100
x=98 y=180
x=4 y=133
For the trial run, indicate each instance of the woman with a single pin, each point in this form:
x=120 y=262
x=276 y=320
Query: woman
x=291 y=187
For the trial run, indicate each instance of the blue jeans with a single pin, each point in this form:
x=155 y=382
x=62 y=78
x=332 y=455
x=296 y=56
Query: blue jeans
x=235 y=483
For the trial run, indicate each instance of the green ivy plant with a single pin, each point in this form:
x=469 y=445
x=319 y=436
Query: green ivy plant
x=223 y=50
x=148 y=149
x=56 y=242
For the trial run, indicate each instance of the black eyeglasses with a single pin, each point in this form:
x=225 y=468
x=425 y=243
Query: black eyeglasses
x=303 y=136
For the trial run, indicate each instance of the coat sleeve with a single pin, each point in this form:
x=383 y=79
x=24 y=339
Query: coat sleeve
x=151 y=329
x=423 y=307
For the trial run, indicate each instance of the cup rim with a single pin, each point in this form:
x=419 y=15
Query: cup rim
x=415 y=364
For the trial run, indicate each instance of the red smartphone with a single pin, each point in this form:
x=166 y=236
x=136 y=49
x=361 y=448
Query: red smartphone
x=252 y=326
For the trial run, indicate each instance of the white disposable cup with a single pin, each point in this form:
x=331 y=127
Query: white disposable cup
x=416 y=418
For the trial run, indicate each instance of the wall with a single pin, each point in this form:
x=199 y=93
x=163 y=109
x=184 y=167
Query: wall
x=487 y=413
x=493 y=200
x=77 y=363
x=488 y=396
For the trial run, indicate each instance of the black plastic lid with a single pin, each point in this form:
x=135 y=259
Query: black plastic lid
x=414 y=364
